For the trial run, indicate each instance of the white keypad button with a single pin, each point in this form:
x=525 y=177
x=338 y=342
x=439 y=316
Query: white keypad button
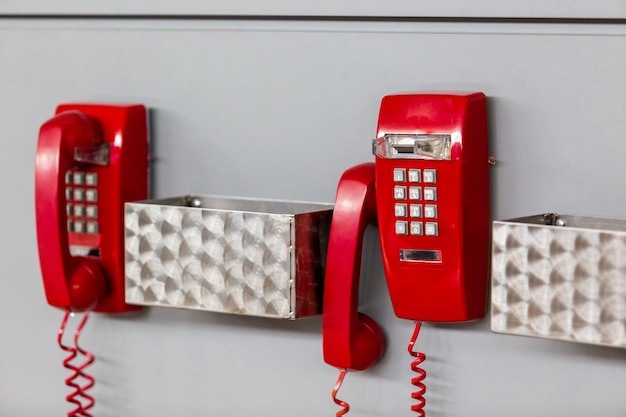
x=92 y=211
x=79 y=178
x=430 y=193
x=91 y=179
x=430 y=176
x=79 y=194
x=79 y=226
x=414 y=175
x=92 y=228
x=399 y=174
x=70 y=226
x=430 y=211
x=91 y=195
x=69 y=193
x=79 y=210
x=68 y=177
x=415 y=193
x=416 y=210
x=69 y=209
x=417 y=228
x=399 y=192
x=400 y=210
x=432 y=229
x=401 y=227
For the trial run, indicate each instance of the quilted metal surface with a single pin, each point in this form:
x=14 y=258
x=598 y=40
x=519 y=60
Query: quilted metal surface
x=216 y=260
x=562 y=283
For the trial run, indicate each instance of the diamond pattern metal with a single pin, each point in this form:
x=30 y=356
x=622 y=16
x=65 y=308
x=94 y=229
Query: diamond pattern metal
x=215 y=260
x=561 y=283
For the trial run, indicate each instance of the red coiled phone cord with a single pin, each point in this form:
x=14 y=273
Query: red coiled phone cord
x=79 y=381
x=345 y=405
x=418 y=395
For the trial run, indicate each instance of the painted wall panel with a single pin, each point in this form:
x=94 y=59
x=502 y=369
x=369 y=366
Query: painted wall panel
x=279 y=110
x=612 y=9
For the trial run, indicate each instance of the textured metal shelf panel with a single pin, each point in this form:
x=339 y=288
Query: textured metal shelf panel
x=225 y=254
x=566 y=283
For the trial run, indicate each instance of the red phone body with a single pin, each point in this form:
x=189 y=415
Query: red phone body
x=91 y=159
x=432 y=184
x=429 y=193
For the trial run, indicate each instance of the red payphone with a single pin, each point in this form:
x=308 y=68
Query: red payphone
x=429 y=193
x=91 y=159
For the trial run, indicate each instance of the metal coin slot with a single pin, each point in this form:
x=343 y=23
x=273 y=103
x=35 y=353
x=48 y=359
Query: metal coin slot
x=416 y=255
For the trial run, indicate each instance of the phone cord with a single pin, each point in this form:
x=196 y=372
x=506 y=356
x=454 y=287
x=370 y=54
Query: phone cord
x=418 y=395
x=79 y=381
x=345 y=405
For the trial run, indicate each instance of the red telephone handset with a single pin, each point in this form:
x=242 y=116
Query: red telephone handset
x=432 y=184
x=351 y=340
x=90 y=160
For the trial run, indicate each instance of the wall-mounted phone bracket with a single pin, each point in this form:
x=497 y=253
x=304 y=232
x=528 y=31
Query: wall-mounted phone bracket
x=91 y=158
x=560 y=276
x=351 y=340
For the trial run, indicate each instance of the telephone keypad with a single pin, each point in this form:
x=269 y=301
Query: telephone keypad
x=399 y=192
x=399 y=174
x=430 y=211
x=411 y=180
x=401 y=227
x=79 y=210
x=78 y=178
x=92 y=228
x=79 y=226
x=79 y=194
x=92 y=211
x=80 y=189
x=416 y=210
x=417 y=228
x=91 y=195
x=430 y=176
x=400 y=210
x=430 y=193
x=91 y=179
x=415 y=193
x=432 y=229
x=414 y=175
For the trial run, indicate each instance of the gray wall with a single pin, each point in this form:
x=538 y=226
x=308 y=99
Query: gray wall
x=278 y=109
x=612 y=9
